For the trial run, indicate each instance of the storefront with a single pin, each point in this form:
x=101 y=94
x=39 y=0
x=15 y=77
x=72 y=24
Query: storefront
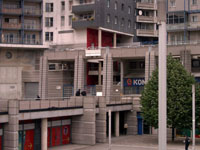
x=58 y=131
x=133 y=85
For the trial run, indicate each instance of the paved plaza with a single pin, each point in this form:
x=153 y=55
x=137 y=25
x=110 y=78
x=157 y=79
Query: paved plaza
x=136 y=142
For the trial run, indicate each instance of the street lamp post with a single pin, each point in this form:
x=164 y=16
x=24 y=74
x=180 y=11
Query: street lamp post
x=193 y=117
x=162 y=135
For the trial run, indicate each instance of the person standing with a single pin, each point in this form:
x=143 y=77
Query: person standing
x=187 y=142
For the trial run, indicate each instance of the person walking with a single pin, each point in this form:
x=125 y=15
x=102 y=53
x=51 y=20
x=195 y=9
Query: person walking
x=187 y=142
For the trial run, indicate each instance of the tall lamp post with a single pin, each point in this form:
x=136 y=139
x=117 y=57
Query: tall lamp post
x=162 y=135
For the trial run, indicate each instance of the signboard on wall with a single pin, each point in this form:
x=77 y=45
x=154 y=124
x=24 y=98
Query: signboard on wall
x=134 y=81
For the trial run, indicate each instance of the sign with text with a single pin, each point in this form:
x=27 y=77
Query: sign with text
x=134 y=81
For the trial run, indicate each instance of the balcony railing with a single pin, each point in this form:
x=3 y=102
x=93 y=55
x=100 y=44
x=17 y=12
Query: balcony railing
x=18 y=40
x=11 y=25
x=149 y=19
x=172 y=27
x=32 y=41
x=30 y=26
x=32 y=11
x=146 y=5
x=146 y=32
x=84 y=3
x=12 y=10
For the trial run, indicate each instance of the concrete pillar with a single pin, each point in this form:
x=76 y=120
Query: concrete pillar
x=107 y=74
x=150 y=64
x=79 y=75
x=43 y=83
x=186 y=59
x=84 y=127
x=44 y=132
x=122 y=76
x=101 y=121
x=115 y=40
x=100 y=73
x=116 y=124
x=11 y=128
x=99 y=38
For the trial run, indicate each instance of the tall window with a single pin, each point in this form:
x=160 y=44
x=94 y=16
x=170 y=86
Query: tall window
x=62 y=21
x=70 y=20
x=194 y=19
x=115 y=5
x=172 y=3
x=122 y=7
x=116 y=20
x=108 y=3
x=62 y=5
x=48 y=36
x=108 y=18
x=194 y=2
x=49 y=7
x=129 y=24
x=122 y=22
x=48 y=21
x=129 y=9
x=70 y=5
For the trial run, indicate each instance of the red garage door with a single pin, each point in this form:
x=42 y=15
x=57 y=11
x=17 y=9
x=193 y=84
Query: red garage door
x=65 y=134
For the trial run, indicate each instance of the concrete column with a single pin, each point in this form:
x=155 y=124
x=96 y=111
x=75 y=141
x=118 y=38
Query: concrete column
x=79 y=75
x=99 y=38
x=107 y=75
x=116 y=124
x=100 y=73
x=150 y=64
x=186 y=59
x=84 y=127
x=11 y=128
x=44 y=132
x=122 y=76
x=43 y=83
x=101 y=121
x=115 y=40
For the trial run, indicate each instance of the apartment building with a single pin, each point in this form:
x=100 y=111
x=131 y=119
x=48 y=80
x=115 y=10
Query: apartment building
x=183 y=21
x=146 y=21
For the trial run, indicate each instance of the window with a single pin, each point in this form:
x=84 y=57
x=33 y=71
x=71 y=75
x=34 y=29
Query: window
x=49 y=36
x=172 y=3
x=122 y=7
x=116 y=20
x=194 y=2
x=62 y=21
x=194 y=19
x=129 y=9
x=49 y=22
x=62 y=5
x=70 y=20
x=115 y=5
x=108 y=18
x=108 y=3
x=129 y=24
x=70 y=5
x=122 y=22
x=49 y=7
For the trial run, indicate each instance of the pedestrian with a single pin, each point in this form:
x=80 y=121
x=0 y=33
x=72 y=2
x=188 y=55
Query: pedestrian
x=83 y=93
x=187 y=142
x=125 y=128
x=78 y=92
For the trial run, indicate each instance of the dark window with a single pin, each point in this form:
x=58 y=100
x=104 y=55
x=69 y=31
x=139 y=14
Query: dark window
x=133 y=65
x=122 y=7
x=195 y=63
x=49 y=7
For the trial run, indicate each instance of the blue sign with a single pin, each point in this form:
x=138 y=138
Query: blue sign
x=134 y=82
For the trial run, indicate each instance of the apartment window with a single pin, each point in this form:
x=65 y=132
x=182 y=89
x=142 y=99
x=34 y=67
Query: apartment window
x=194 y=19
x=49 y=22
x=70 y=20
x=62 y=21
x=11 y=20
x=48 y=36
x=49 y=7
x=108 y=3
x=172 y=3
x=129 y=24
x=70 y=5
x=122 y=7
x=194 y=2
x=62 y=5
x=116 y=20
x=122 y=22
x=108 y=18
x=129 y=9
x=115 y=5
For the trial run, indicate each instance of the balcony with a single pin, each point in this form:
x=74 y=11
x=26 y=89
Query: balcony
x=175 y=27
x=13 y=26
x=18 y=40
x=86 y=7
x=144 y=5
x=147 y=33
x=193 y=26
x=29 y=26
x=32 y=12
x=147 y=19
x=83 y=23
x=13 y=11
